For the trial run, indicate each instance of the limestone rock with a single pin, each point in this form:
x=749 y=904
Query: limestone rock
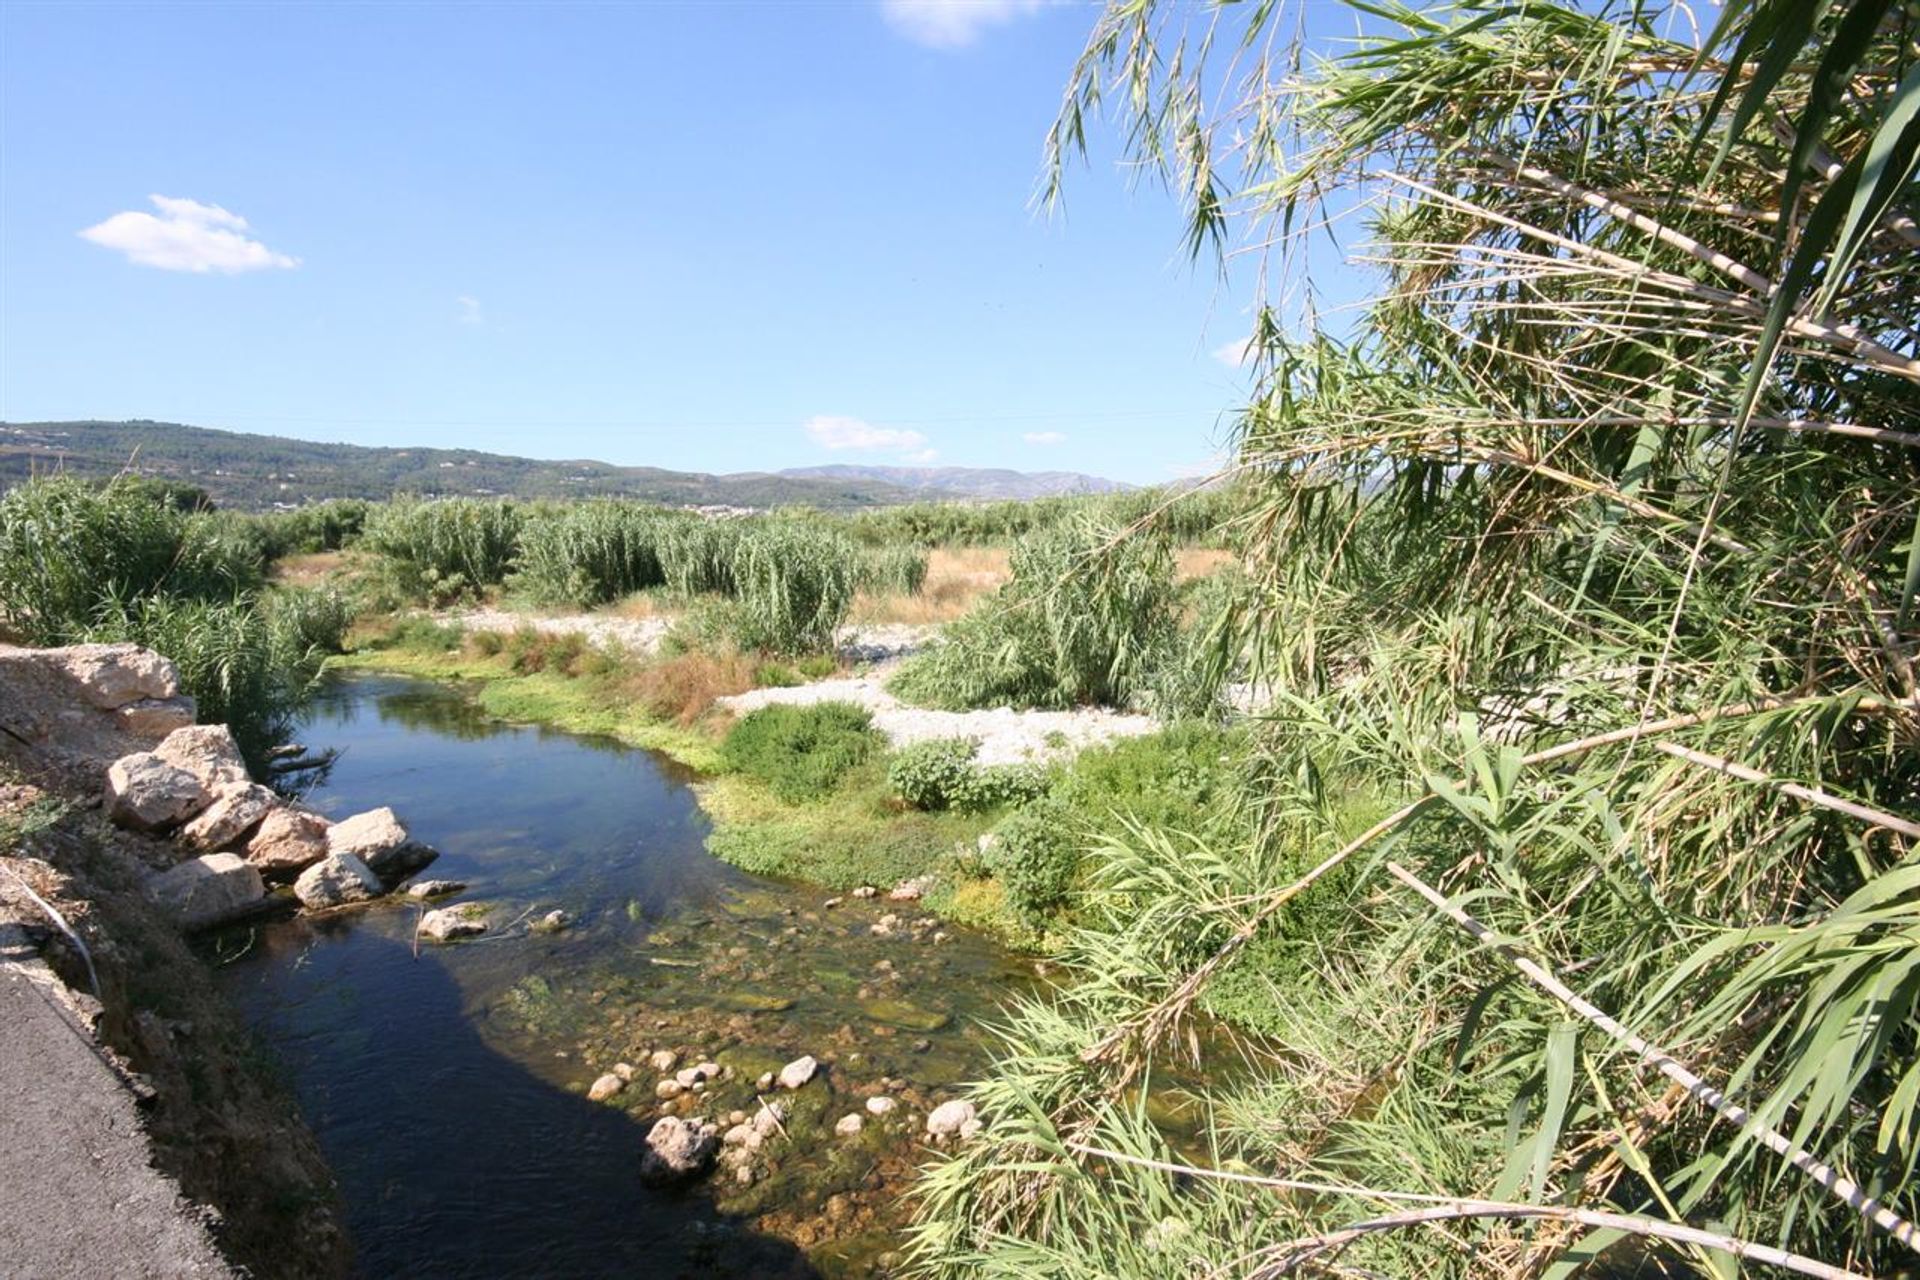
x=449 y=923
x=379 y=839
x=677 y=1150
x=209 y=753
x=605 y=1087
x=150 y=794
x=207 y=890
x=335 y=881
x=796 y=1073
x=669 y=1089
x=231 y=815
x=849 y=1125
x=951 y=1118
x=767 y=1120
x=434 y=888
x=880 y=1105
x=663 y=1059
x=287 y=842
x=156 y=717
x=912 y=890
x=113 y=675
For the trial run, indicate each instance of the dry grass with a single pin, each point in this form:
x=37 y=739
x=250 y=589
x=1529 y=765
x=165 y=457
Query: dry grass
x=683 y=688
x=641 y=604
x=1199 y=562
x=309 y=569
x=956 y=579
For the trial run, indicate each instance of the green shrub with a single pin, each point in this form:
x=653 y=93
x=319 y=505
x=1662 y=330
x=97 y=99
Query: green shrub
x=590 y=553
x=1088 y=614
x=468 y=541
x=893 y=570
x=1188 y=777
x=942 y=774
x=801 y=752
x=70 y=552
x=313 y=618
x=1035 y=855
x=794 y=583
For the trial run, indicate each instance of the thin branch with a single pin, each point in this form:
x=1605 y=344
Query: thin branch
x=1733 y=1113
x=1812 y=795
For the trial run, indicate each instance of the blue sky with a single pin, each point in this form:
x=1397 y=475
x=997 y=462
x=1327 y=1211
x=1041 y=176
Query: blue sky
x=708 y=236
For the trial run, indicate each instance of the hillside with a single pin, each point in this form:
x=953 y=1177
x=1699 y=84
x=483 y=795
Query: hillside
x=254 y=472
x=962 y=482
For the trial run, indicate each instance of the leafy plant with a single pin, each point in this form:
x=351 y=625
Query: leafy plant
x=801 y=752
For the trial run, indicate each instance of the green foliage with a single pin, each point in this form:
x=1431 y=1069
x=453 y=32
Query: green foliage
x=1035 y=855
x=894 y=570
x=1087 y=618
x=794 y=584
x=319 y=526
x=802 y=753
x=942 y=774
x=590 y=553
x=311 y=618
x=470 y=541
x=70 y=551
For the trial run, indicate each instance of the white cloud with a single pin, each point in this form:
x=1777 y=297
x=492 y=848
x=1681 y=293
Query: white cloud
x=831 y=431
x=1045 y=437
x=950 y=24
x=470 y=312
x=186 y=236
x=1237 y=354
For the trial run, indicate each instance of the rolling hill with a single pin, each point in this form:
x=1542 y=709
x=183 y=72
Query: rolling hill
x=255 y=472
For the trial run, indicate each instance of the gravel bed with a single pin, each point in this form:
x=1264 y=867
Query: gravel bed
x=640 y=635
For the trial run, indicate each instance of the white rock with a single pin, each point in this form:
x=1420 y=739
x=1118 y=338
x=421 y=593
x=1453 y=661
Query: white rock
x=663 y=1060
x=449 y=923
x=709 y=1070
x=207 y=890
x=209 y=753
x=865 y=891
x=766 y=1121
x=150 y=794
x=677 y=1149
x=950 y=1117
x=434 y=888
x=912 y=890
x=796 y=1073
x=379 y=839
x=288 y=841
x=669 y=1089
x=114 y=675
x=605 y=1087
x=335 y=881
x=849 y=1124
x=625 y=1071
x=880 y=1105
x=156 y=717
x=232 y=814
x=687 y=1077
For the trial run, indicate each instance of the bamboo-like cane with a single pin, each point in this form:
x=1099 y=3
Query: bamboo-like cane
x=1732 y=1112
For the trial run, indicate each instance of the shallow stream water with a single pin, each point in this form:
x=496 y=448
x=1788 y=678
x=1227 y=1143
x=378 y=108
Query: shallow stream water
x=448 y=1087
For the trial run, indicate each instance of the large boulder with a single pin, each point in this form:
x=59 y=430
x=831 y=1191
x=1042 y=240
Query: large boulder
x=155 y=718
x=379 y=839
x=678 y=1150
x=335 y=881
x=147 y=793
x=209 y=753
x=233 y=813
x=207 y=890
x=287 y=842
x=113 y=675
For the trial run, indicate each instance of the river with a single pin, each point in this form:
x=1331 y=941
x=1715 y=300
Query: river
x=447 y=1087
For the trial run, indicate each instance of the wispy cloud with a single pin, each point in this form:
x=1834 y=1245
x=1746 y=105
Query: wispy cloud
x=1237 y=354
x=470 y=312
x=1045 y=437
x=951 y=24
x=833 y=431
x=186 y=236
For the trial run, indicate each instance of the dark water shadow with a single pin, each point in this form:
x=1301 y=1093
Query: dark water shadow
x=456 y=1161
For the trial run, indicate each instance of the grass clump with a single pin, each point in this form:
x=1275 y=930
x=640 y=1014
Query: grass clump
x=801 y=753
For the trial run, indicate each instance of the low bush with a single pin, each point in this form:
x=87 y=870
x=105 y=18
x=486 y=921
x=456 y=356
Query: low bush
x=801 y=752
x=314 y=618
x=942 y=774
x=1035 y=855
x=682 y=686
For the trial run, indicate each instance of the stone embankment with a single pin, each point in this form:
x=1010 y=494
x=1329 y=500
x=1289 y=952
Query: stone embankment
x=120 y=706
x=144 y=1135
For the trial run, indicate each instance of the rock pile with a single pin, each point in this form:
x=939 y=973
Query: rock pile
x=117 y=708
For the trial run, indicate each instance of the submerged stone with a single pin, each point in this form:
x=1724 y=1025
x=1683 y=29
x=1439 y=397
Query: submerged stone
x=908 y=1017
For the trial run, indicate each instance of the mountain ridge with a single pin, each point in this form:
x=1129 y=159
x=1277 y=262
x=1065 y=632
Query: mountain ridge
x=251 y=471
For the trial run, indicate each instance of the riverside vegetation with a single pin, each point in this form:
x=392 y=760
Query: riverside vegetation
x=1562 y=894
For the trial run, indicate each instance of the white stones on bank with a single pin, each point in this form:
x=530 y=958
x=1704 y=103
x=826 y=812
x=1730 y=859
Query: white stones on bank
x=206 y=890
x=797 y=1073
x=146 y=793
x=448 y=924
x=953 y=1119
x=678 y=1150
x=337 y=881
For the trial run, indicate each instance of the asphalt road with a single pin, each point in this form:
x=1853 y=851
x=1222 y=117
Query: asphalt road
x=78 y=1197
